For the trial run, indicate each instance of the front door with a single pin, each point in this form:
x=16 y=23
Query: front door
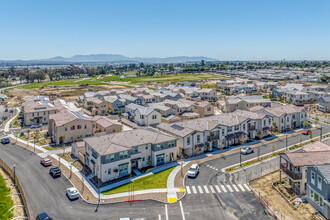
x=123 y=170
x=160 y=159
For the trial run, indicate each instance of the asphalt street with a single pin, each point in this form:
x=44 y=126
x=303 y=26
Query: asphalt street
x=47 y=194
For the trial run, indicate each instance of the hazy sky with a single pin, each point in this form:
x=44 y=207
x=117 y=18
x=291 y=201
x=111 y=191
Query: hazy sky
x=222 y=29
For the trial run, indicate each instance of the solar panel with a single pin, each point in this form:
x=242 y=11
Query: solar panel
x=177 y=127
x=78 y=115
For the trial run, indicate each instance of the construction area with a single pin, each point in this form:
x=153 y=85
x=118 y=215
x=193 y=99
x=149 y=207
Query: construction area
x=282 y=201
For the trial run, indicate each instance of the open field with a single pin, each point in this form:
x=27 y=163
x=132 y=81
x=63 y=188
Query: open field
x=100 y=80
x=154 y=181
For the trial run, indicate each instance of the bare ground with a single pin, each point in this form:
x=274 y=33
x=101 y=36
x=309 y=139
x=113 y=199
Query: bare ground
x=282 y=208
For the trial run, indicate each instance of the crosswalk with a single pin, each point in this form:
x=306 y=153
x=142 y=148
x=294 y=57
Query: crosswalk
x=217 y=188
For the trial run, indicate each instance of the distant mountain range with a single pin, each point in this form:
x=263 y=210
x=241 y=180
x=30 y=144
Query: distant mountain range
x=109 y=58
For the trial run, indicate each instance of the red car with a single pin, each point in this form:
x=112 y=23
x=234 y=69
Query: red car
x=306 y=131
x=46 y=162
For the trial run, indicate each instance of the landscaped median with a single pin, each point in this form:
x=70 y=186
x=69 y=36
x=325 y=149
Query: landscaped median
x=274 y=154
x=5 y=200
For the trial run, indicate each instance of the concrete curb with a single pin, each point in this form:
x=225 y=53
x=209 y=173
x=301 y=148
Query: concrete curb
x=252 y=165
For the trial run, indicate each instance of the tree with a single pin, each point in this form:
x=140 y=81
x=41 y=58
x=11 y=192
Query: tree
x=305 y=124
x=241 y=138
x=310 y=134
x=274 y=126
x=260 y=135
x=28 y=136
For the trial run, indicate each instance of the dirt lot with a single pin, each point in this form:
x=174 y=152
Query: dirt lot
x=281 y=206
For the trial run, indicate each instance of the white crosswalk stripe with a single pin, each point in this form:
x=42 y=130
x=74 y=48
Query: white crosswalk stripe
x=235 y=187
x=241 y=187
x=194 y=189
x=206 y=189
x=212 y=189
x=188 y=190
x=247 y=187
x=217 y=188
x=200 y=189
x=230 y=189
x=223 y=188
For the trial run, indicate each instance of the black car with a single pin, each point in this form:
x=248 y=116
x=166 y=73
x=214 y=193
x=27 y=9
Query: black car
x=43 y=216
x=55 y=172
x=5 y=140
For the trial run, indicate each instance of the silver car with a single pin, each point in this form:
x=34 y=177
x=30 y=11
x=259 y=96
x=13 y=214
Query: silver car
x=72 y=193
x=246 y=150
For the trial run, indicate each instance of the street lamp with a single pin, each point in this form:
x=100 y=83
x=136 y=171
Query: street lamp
x=240 y=157
x=321 y=133
x=14 y=168
x=286 y=142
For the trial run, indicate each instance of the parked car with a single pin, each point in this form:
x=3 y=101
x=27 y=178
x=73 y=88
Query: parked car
x=55 y=171
x=35 y=126
x=11 y=110
x=6 y=110
x=72 y=193
x=246 y=150
x=5 y=140
x=46 y=162
x=126 y=219
x=306 y=132
x=193 y=170
x=43 y=216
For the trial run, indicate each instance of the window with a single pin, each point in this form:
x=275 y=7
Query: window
x=109 y=171
x=154 y=117
x=44 y=113
x=282 y=120
x=321 y=202
x=229 y=129
x=66 y=129
x=269 y=120
x=32 y=114
x=243 y=126
x=79 y=127
x=73 y=127
x=146 y=146
x=135 y=149
x=236 y=127
x=313 y=177
x=223 y=132
x=171 y=144
x=264 y=122
x=208 y=109
x=188 y=140
x=312 y=194
x=123 y=154
x=141 y=116
x=198 y=138
x=143 y=159
x=287 y=118
x=85 y=126
x=48 y=112
x=319 y=182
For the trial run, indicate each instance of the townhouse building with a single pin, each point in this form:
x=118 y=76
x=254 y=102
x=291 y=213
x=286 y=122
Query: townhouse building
x=207 y=94
x=285 y=117
x=224 y=84
x=116 y=155
x=318 y=188
x=233 y=103
x=115 y=104
x=96 y=106
x=324 y=104
x=143 y=116
x=295 y=96
x=37 y=112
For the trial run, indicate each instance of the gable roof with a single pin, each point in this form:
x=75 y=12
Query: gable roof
x=325 y=171
x=299 y=159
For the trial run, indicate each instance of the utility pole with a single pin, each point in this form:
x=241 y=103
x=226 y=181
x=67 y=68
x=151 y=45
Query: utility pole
x=321 y=133
x=14 y=166
x=286 y=142
x=240 y=157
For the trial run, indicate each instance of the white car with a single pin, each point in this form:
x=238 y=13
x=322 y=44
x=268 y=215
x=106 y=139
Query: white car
x=72 y=193
x=193 y=170
x=246 y=150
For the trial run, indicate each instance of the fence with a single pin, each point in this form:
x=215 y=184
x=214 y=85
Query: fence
x=18 y=185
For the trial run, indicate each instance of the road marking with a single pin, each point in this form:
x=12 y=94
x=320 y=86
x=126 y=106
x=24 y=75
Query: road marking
x=230 y=189
x=212 y=189
x=206 y=189
x=159 y=217
x=194 y=189
x=216 y=169
x=188 y=190
x=207 y=165
x=247 y=187
x=235 y=187
x=217 y=188
x=223 y=188
x=182 y=212
x=166 y=213
x=200 y=189
x=241 y=187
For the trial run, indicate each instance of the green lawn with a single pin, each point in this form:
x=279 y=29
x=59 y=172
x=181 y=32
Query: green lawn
x=52 y=148
x=154 y=181
x=5 y=201
x=141 y=79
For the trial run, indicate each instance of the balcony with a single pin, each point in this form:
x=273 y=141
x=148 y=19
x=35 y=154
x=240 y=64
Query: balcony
x=251 y=128
x=213 y=137
x=291 y=174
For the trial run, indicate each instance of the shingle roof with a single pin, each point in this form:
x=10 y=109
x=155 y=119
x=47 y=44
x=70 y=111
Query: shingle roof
x=105 y=122
x=298 y=159
x=123 y=141
x=65 y=116
x=30 y=107
x=325 y=171
x=94 y=100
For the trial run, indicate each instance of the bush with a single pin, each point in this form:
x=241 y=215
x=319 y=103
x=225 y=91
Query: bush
x=5 y=201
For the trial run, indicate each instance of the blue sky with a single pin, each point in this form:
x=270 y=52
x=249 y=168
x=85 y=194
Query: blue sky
x=222 y=29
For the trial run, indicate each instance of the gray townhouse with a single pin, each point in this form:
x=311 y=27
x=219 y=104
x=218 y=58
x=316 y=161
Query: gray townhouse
x=115 y=155
x=318 y=188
